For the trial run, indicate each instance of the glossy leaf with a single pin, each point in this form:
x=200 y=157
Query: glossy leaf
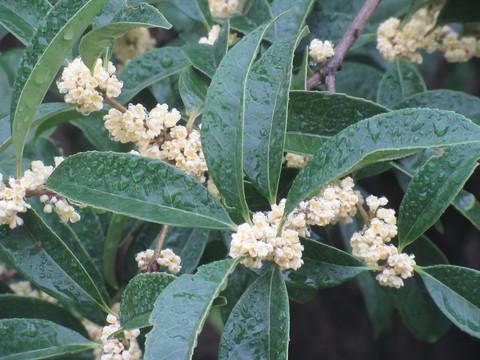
x=207 y=58
x=129 y=18
x=259 y=13
x=455 y=291
x=193 y=87
x=9 y=61
x=112 y=241
x=195 y=9
x=433 y=188
x=50 y=45
x=181 y=310
x=266 y=107
x=22 y=17
x=457 y=101
x=325 y=266
x=24 y=339
x=14 y=306
x=139 y=187
x=108 y=12
x=44 y=259
x=314 y=117
x=400 y=81
x=223 y=121
x=294 y=19
x=365 y=86
x=148 y=68
x=139 y=297
x=382 y=137
x=459 y=11
x=259 y=324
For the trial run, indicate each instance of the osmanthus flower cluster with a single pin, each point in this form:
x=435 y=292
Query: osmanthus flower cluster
x=87 y=90
x=135 y=42
x=213 y=36
x=407 y=41
x=13 y=197
x=370 y=245
x=226 y=8
x=167 y=258
x=262 y=241
x=320 y=50
x=295 y=160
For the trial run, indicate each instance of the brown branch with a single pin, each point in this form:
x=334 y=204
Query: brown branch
x=114 y=104
x=158 y=247
x=326 y=75
x=363 y=213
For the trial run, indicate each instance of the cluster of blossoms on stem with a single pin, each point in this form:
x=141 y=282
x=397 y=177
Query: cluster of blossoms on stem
x=135 y=42
x=320 y=50
x=119 y=349
x=370 y=245
x=213 y=36
x=13 y=196
x=225 y=8
x=261 y=241
x=417 y=34
x=295 y=160
x=167 y=258
x=87 y=90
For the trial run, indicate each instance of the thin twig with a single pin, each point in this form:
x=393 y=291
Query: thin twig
x=114 y=104
x=159 y=246
x=326 y=75
x=363 y=214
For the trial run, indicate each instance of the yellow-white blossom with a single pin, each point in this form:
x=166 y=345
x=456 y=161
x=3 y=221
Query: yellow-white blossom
x=213 y=36
x=295 y=160
x=226 y=8
x=321 y=50
x=24 y=288
x=167 y=258
x=135 y=42
x=113 y=348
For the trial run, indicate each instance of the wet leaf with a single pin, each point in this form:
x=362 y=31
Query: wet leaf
x=24 y=339
x=196 y=9
x=139 y=297
x=50 y=45
x=96 y=41
x=266 y=107
x=138 y=187
x=22 y=17
x=382 y=137
x=400 y=81
x=294 y=19
x=181 y=310
x=259 y=324
x=193 y=87
x=148 y=68
x=223 y=121
x=455 y=291
x=364 y=86
x=259 y=13
x=433 y=188
x=112 y=241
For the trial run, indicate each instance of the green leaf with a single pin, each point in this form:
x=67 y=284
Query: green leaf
x=455 y=291
x=22 y=17
x=139 y=297
x=44 y=259
x=457 y=101
x=139 y=187
x=108 y=12
x=259 y=325
x=259 y=13
x=299 y=79
x=206 y=58
x=266 y=107
x=96 y=41
x=293 y=21
x=382 y=137
x=433 y=188
x=400 y=81
x=193 y=87
x=325 y=266
x=182 y=308
x=365 y=86
x=198 y=10
x=14 y=306
x=468 y=206
x=315 y=116
x=50 y=45
x=224 y=113
x=459 y=11
x=9 y=61
x=24 y=339
x=148 y=68
x=112 y=241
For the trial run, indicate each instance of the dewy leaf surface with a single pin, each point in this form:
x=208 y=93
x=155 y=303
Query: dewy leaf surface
x=139 y=297
x=433 y=188
x=294 y=18
x=455 y=291
x=181 y=310
x=97 y=40
x=148 y=68
x=50 y=45
x=193 y=87
x=22 y=17
x=25 y=339
x=400 y=81
x=266 y=108
x=195 y=9
x=258 y=326
x=223 y=121
x=139 y=187
x=382 y=137
x=42 y=257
